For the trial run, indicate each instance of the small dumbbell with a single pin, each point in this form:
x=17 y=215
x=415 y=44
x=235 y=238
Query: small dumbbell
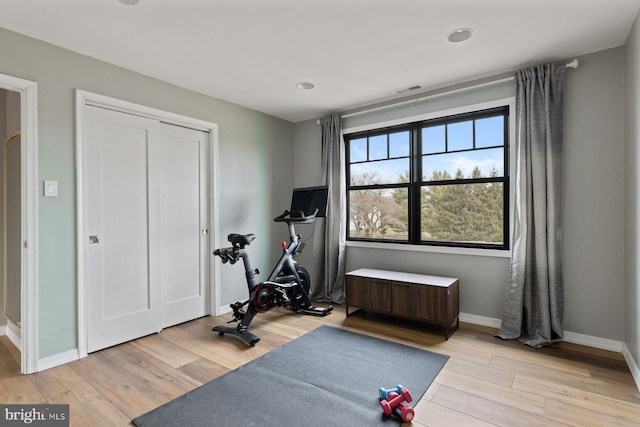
x=406 y=412
x=384 y=393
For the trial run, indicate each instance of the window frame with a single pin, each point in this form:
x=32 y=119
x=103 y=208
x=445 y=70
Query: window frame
x=415 y=125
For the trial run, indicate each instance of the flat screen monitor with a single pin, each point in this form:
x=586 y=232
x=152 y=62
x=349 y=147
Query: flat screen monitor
x=309 y=199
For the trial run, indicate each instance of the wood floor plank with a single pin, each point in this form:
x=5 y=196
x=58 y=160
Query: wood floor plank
x=87 y=406
x=129 y=394
x=156 y=374
x=508 y=396
x=481 y=371
x=268 y=339
x=431 y=414
x=578 y=397
x=581 y=417
x=488 y=410
x=203 y=370
x=7 y=346
x=173 y=355
x=226 y=352
x=9 y=363
x=619 y=373
x=588 y=383
x=15 y=390
x=431 y=391
x=538 y=358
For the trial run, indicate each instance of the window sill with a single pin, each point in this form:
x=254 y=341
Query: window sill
x=495 y=253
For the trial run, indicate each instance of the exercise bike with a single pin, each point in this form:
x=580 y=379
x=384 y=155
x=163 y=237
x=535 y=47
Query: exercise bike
x=287 y=286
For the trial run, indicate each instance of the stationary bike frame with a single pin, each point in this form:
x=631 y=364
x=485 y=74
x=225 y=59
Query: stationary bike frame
x=283 y=288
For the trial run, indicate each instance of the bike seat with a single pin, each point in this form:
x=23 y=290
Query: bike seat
x=241 y=239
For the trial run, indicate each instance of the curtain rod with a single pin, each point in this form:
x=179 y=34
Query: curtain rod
x=574 y=63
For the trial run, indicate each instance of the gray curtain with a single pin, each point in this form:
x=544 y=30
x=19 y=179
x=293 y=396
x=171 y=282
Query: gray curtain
x=327 y=283
x=535 y=299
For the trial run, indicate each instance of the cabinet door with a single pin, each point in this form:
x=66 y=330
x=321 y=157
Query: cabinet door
x=432 y=303
x=369 y=293
x=420 y=301
x=357 y=291
x=380 y=295
x=404 y=300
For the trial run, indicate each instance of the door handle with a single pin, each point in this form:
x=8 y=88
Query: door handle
x=94 y=239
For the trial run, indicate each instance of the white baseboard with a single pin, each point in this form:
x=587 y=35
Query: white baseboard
x=480 y=320
x=15 y=335
x=595 y=342
x=57 y=360
x=47 y=362
x=571 y=337
x=633 y=365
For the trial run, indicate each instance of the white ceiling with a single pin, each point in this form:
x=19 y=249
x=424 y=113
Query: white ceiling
x=356 y=52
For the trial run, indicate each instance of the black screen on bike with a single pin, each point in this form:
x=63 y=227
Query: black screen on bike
x=309 y=199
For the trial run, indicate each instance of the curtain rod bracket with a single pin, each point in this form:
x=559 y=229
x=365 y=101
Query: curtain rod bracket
x=573 y=64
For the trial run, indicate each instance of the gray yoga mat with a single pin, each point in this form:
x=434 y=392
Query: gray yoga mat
x=327 y=377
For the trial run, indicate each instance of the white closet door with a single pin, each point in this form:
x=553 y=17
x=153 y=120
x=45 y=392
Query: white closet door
x=184 y=229
x=123 y=250
x=146 y=202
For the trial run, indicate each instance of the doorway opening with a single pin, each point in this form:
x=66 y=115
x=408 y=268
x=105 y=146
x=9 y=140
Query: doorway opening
x=11 y=215
x=20 y=175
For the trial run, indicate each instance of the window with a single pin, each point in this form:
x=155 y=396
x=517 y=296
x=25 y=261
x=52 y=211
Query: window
x=442 y=181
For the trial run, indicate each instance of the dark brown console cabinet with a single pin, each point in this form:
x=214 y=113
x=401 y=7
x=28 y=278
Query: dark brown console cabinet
x=432 y=299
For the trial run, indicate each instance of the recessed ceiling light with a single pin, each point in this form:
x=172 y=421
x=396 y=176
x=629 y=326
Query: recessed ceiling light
x=459 y=35
x=129 y=2
x=305 y=86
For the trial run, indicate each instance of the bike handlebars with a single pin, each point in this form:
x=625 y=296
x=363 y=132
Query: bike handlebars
x=227 y=254
x=296 y=216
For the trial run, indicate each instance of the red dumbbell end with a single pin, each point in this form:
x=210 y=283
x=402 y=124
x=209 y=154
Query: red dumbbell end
x=406 y=413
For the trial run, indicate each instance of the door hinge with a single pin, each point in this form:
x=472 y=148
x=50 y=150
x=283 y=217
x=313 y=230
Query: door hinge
x=26 y=244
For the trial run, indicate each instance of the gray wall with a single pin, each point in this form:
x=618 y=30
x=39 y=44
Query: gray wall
x=594 y=196
x=255 y=181
x=593 y=206
x=632 y=194
x=307 y=172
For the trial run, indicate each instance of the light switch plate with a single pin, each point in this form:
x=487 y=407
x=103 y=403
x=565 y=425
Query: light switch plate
x=50 y=188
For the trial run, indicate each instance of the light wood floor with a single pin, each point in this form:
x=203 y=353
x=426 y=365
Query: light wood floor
x=486 y=381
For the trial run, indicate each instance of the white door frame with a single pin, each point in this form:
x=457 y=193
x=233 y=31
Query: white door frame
x=84 y=98
x=29 y=229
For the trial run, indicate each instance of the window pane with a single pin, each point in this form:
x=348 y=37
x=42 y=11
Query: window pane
x=466 y=213
x=379 y=214
x=460 y=136
x=433 y=140
x=490 y=132
x=378 y=147
x=382 y=172
x=399 y=144
x=468 y=164
x=358 y=150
